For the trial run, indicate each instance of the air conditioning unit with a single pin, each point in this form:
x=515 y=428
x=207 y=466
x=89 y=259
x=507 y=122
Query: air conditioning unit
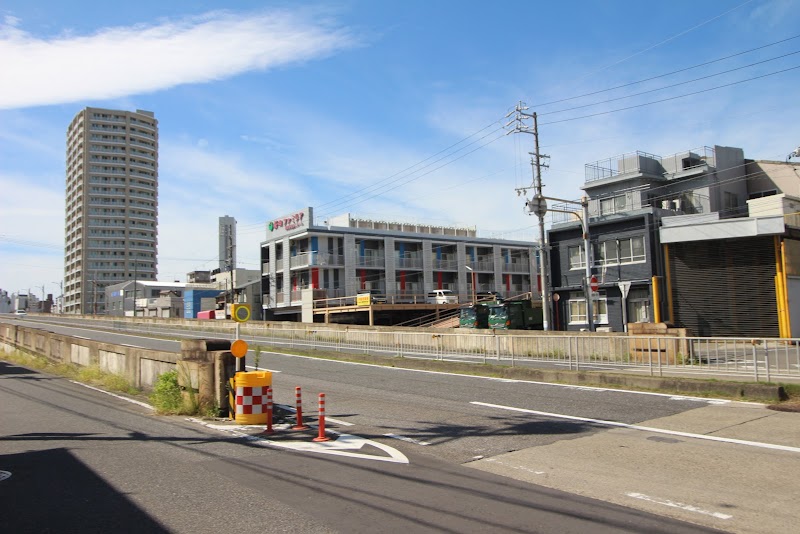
x=605 y=329
x=677 y=203
x=665 y=204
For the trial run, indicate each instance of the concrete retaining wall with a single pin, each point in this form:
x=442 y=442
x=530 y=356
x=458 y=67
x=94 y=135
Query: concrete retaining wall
x=141 y=367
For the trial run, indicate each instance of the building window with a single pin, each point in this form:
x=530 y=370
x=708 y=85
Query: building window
x=639 y=306
x=605 y=253
x=731 y=201
x=577 y=309
x=619 y=251
x=612 y=205
x=577 y=259
x=631 y=250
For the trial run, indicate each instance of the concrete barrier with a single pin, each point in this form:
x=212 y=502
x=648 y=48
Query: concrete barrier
x=141 y=367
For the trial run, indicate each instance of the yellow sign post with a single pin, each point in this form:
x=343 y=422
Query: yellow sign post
x=240 y=313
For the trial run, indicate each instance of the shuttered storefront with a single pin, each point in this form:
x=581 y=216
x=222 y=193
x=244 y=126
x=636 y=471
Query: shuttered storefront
x=725 y=287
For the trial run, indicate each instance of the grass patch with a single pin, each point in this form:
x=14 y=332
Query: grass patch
x=92 y=375
x=168 y=398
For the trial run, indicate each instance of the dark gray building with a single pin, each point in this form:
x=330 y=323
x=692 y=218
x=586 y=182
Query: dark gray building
x=629 y=195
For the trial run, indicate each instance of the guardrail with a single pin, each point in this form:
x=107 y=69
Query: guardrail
x=762 y=359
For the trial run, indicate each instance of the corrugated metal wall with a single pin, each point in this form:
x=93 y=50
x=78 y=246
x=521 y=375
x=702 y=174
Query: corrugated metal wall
x=725 y=287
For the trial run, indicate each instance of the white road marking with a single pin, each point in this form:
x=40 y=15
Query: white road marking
x=327 y=419
x=644 y=428
x=409 y=440
x=697 y=399
x=261 y=368
x=517 y=467
x=515 y=381
x=682 y=506
x=343 y=445
x=338 y=421
x=133 y=401
x=4 y=475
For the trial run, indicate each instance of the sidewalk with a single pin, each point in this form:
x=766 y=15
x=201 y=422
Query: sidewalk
x=732 y=466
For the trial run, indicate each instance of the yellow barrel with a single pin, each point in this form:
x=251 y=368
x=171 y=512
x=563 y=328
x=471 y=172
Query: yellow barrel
x=251 y=397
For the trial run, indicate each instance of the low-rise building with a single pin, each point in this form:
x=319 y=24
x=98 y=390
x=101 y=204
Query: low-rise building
x=344 y=255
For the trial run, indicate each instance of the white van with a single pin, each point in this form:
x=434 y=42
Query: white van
x=441 y=296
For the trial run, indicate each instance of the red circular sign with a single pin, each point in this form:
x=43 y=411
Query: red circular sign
x=593 y=283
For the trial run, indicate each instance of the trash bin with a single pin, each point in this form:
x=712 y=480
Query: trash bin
x=250 y=397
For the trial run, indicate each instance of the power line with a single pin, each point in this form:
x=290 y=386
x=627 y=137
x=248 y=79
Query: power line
x=408 y=179
x=671 y=86
x=663 y=42
x=663 y=75
x=672 y=97
x=344 y=198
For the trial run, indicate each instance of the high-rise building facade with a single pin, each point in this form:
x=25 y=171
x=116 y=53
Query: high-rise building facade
x=227 y=243
x=111 y=225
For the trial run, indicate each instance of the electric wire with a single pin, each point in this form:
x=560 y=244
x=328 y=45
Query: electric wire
x=670 y=86
x=671 y=98
x=664 y=75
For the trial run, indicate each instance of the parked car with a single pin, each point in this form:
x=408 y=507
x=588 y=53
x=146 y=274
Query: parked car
x=441 y=296
x=20 y=312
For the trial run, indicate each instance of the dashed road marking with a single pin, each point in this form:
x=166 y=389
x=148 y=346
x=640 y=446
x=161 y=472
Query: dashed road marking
x=517 y=467
x=4 y=475
x=682 y=506
x=409 y=440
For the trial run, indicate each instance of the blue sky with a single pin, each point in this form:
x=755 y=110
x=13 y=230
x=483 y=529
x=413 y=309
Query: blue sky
x=389 y=110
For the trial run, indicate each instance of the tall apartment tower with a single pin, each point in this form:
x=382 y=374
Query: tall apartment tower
x=111 y=225
x=227 y=244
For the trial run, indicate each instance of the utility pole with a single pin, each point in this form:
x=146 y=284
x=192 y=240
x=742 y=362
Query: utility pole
x=538 y=205
x=135 y=283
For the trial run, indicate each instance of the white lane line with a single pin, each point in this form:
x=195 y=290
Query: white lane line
x=682 y=506
x=4 y=475
x=517 y=467
x=338 y=421
x=644 y=428
x=516 y=381
x=133 y=401
x=262 y=368
x=409 y=440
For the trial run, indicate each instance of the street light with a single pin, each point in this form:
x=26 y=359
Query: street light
x=538 y=206
x=473 y=282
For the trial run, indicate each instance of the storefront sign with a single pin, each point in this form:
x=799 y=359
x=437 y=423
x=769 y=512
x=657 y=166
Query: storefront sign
x=288 y=223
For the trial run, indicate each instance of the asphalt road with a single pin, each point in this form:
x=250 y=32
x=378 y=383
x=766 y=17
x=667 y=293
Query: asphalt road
x=82 y=461
x=449 y=427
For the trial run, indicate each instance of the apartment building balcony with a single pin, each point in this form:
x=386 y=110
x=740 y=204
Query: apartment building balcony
x=482 y=264
x=516 y=267
x=374 y=261
x=314 y=259
x=404 y=264
x=445 y=264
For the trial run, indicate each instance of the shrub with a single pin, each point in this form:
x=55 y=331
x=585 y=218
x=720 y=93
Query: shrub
x=166 y=396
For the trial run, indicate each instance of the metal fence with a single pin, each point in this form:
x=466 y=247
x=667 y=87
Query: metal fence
x=762 y=359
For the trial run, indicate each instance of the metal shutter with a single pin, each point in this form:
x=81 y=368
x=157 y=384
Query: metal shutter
x=726 y=287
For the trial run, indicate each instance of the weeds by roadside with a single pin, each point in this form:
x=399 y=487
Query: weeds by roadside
x=92 y=375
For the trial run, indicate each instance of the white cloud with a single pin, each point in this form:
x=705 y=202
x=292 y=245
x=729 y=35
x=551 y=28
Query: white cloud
x=120 y=61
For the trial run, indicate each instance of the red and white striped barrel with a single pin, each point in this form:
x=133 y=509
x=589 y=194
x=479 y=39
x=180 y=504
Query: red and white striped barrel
x=251 y=399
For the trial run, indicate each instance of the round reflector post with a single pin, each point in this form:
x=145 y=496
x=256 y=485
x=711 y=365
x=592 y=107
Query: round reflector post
x=239 y=348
